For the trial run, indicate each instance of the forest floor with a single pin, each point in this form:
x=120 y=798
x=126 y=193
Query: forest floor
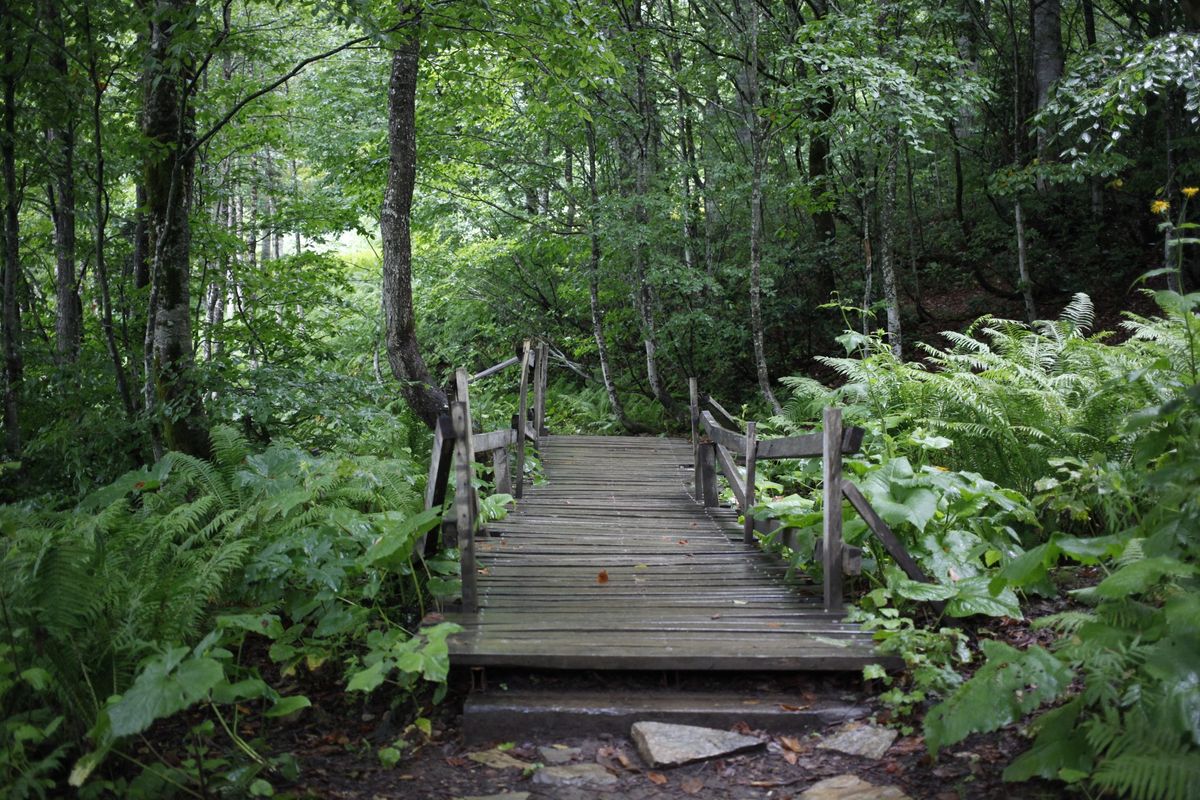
x=337 y=741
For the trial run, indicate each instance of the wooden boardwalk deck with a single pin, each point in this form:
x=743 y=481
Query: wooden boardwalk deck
x=612 y=564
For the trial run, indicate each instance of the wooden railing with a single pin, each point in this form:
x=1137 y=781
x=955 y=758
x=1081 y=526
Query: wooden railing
x=717 y=445
x=455 y=442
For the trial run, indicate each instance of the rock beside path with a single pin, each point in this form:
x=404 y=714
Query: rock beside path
x=868 y=741
x=587 y=776
x=664 y=745
x=556 y=755
x=851 y=787
x=497 y=760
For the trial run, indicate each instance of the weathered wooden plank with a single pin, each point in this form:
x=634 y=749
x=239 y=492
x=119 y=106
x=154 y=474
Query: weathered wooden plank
x=539 y=390
x=492 y=370
x=730 y=471
x=810 y=445
x=727 y=419
x=748 y=501
x=886 y=536
x=728 y=439
x=493 y=440
x=831 y=538
x=464 y=502
x=500 y=473
x=522 y=419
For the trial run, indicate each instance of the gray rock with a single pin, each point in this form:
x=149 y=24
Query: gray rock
x=851 y=787
x=665 y=745
x=497 y=760
x=557 y=754
x=592 y=776
x=868 y=741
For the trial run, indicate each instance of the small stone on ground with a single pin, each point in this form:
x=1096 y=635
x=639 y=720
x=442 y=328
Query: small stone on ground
x=581 y=775
x=497 y=760
x=868 y=741
x=851 y=787
x=665 y=745
x=556 y=755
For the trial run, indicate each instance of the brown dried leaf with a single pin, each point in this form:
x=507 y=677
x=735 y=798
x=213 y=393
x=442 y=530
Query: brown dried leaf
x=656 y=778
x=602 y=577
x=692 y=785
x=792 y=743
x=683 y=541
x=787 y=707
x=790 y=757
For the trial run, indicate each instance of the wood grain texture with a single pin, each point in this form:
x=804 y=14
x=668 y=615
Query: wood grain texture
x=613 y=564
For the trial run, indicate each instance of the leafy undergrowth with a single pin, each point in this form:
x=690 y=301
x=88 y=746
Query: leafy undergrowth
x=1015 y=451
x=163 y=592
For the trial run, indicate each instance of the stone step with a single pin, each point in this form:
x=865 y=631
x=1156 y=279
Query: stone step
x=523 y=715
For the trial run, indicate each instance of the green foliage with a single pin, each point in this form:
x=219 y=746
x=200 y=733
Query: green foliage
x=130 y=608
x=1132 y=726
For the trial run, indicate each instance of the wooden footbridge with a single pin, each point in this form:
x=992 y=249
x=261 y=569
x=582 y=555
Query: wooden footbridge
x=623 y=558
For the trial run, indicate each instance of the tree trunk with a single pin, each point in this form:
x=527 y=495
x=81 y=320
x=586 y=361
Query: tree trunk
x=644 y=295
x=404 y=355
x=887 y=243
x=756 y=197
x=14 y=368
x=1022 y=265
x=610 y=388
x=169 y=168
x=1047 y=64
x=101 y=213
x=60 y=140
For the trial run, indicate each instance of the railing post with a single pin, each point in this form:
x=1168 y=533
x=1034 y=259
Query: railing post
x=708 y=473
x=751 y=454
x=831 y=540
x=694 y=404
x=522 y=418
x=541 y=368
x=464 y=503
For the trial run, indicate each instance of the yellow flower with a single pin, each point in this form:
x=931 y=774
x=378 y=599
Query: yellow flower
x=1190 y=191
x=1160 y=207
x=1117 y=184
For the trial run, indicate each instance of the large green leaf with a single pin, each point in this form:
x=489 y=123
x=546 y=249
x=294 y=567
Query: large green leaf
x=1060 y=751
x=1011 y=684
x=975 y=597
x=167 y=684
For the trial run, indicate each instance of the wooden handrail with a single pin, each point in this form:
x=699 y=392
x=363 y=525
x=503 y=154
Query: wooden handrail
x=715 y=446
x=492 y=370
x=465 y=503
x=522 y=417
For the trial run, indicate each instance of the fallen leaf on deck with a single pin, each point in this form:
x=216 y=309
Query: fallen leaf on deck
x=656 y=778
x=683 y=541
x=484 y=571
x=786 y=707
x=739 y=602
x=641 y=566
x=716 y=616
x=602 y=577
x=791 y=743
